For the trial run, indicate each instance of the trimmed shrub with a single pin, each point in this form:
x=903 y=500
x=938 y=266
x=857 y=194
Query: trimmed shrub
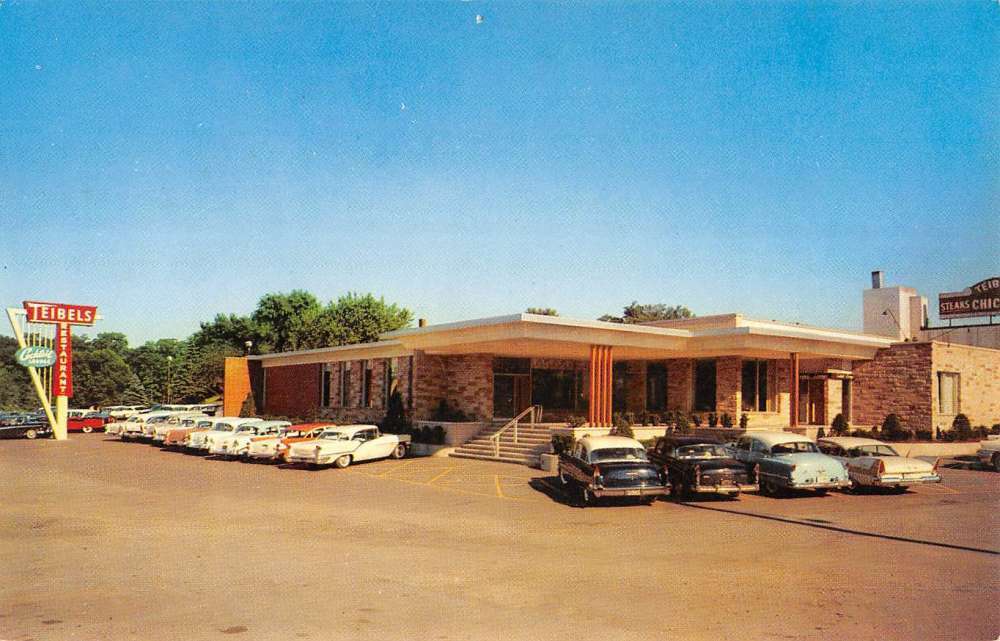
x=821 y=433
x=562 y=443
x=696 y=419
x=961 y=428
x=681 y=424
x=622 y=427
x=995 y=429
x=395 y=421
x=437 y=435
x=713 y=419
x=923 y=435
x=576 y=421
x=839 y=425
x=744 y=421
x=445 y=412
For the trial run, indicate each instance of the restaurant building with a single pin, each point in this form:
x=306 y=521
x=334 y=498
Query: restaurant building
x=778 y=374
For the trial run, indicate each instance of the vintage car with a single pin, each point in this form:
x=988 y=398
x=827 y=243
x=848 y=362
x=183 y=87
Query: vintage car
x=177 y=437
x=989 y=453
x=273 y=448
x=157 y=432
x=787 y=461
x=611 y=466
x=202 y=441
x=700 y=465
x=133 y=427
x=346 y=444
x=85 y=421
x=238 y=443
x=872 y=463
x=29 y=429
x=122 y=412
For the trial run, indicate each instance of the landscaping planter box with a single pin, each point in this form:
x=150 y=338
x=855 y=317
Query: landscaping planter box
x=425 y=449
x=455 y=433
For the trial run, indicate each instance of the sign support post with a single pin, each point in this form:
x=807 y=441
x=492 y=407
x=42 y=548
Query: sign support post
x=60 y=358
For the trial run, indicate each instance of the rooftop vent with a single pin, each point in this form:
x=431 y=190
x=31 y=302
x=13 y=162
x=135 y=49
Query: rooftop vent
x=878 y=279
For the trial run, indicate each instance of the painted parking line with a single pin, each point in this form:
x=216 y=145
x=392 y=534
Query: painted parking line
x=438 y=477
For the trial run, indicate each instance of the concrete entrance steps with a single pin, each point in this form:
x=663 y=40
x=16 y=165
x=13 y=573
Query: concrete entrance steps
x=531 y=441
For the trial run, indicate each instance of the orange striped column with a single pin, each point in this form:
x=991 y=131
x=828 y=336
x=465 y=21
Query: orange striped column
x=793 y=397
x=608 y=380
x=592 y=399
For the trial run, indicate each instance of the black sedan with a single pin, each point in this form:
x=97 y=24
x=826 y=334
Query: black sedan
x=24 y=429
x=700 y=465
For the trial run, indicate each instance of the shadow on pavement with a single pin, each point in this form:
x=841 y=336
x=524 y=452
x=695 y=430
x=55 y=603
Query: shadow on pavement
x=822 y=525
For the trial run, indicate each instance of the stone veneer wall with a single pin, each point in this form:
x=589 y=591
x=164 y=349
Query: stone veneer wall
x=351 y=410
x=465 y=381
x=979 y=382
x=897 y=380
x=728 y=386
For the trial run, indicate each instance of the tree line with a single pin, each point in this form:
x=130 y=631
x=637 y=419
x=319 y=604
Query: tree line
x=107 y=371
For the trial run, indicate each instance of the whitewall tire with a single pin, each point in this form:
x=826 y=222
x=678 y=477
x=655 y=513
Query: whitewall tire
x=343 y=461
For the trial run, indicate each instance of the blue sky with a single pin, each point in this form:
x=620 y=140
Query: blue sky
x=170 y=161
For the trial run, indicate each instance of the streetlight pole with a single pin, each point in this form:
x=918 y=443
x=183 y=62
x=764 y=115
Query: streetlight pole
x=170 y=359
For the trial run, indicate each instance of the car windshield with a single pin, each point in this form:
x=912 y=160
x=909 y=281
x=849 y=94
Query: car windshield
x=243 y=429
x=874 y=450
x=187 y=423
x=795 y=447
x=223 y=427
x=156 y=419
x=205 y=424
x=334 y=436
x=702 y=450
x=618 y=454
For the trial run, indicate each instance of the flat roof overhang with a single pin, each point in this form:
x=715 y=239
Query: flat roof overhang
x=359 y=351
x=527 y=335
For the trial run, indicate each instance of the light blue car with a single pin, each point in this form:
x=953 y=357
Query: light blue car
x=786 y=461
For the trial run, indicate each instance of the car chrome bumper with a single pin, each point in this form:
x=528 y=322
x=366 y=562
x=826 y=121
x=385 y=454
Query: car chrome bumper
x=901 y=480
x=601 y=492
x=826 y=485
x=725 y=489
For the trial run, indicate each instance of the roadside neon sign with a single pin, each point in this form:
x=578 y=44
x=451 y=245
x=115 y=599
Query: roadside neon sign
x=35 y=356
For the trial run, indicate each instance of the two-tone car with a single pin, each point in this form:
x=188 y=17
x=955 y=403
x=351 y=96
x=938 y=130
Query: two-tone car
x=237 y=444
x=150 y=429
x=273 y=448
x=701 y=465
x=345 y=444
x=30 y=429
x=989 y=452
x=177 y=437
x=788 y=461
x=611 y=467
x=182 y=420
x=873 y=464
x=133 y=427
x=202 y=440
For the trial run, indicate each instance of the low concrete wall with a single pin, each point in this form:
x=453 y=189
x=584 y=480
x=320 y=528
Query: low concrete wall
x=946 y=450
x=455 y=433
x=424 y=449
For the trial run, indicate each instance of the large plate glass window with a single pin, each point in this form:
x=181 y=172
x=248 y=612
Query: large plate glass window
x=704 y=385
x=754 y=386
x=656 y=387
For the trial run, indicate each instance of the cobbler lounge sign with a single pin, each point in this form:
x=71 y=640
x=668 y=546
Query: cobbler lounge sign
x=982 y=299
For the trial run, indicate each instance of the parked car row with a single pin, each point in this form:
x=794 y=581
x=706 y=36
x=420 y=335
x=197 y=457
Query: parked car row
x=772 y=463
x=230 y=437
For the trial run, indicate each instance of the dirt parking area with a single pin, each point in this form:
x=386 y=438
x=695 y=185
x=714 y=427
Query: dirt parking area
x=107 y=540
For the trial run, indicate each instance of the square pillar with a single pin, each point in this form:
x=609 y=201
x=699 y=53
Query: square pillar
x=793 y=385
x=599 y=406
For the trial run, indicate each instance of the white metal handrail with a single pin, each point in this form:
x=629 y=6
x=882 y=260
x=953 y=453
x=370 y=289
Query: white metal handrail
x=535 y=411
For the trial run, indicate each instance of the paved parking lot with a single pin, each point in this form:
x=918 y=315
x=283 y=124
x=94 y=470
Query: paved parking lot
x=105 y=540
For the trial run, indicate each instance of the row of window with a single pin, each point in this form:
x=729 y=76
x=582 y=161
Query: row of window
x=341 y=397
x=516 y=384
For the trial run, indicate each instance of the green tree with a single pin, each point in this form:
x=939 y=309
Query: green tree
x=135 y=392
x=149 y=362
x=114 y=341
x=100 y=377
x=286 y=318
x=542 y=311
x=636 y=313
x=235 y=331
x=361 y=319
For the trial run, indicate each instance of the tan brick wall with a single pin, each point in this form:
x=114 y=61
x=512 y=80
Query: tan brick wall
x=897 y=380
x=834 y=401
x=728 y=387
x=979 y=383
